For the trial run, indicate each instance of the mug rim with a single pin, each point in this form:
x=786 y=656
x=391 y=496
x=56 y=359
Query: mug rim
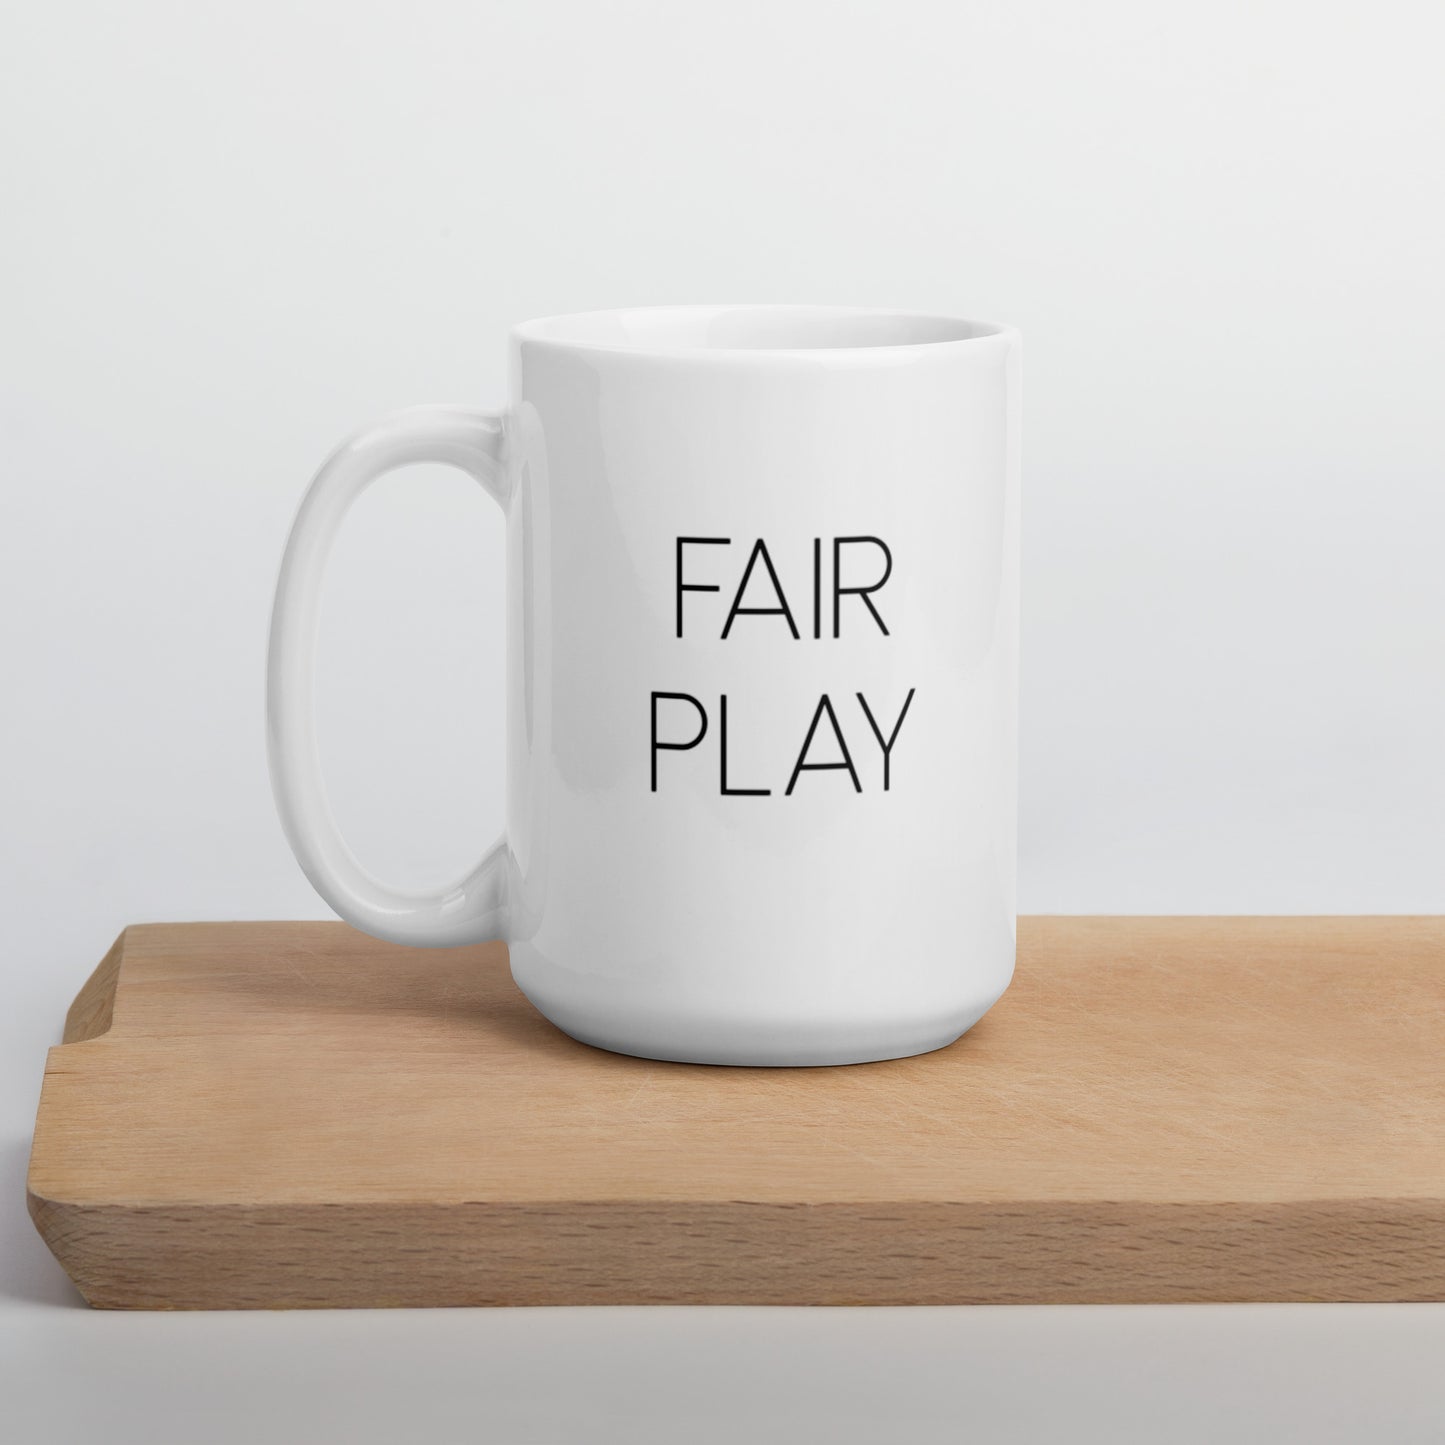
x=912 y=332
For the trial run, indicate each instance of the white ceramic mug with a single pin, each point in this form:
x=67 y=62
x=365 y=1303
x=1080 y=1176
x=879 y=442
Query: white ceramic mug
x=762 y=578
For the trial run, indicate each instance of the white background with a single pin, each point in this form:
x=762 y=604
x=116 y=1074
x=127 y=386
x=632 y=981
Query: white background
x=229 y=235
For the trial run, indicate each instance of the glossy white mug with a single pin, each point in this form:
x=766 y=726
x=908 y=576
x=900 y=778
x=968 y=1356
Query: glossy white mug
x=762 y=617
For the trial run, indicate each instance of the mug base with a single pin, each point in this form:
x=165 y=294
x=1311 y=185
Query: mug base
x=771 y=1046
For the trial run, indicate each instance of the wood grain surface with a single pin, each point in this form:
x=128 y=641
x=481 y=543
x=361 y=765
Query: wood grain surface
x=291 y=1114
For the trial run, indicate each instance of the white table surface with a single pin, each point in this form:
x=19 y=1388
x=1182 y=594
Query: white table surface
x=1240 y=1373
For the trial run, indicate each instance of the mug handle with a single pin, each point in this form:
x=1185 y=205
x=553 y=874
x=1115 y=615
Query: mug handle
x=474 y=909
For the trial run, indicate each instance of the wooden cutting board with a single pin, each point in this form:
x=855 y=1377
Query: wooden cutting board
x=290 y=1114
